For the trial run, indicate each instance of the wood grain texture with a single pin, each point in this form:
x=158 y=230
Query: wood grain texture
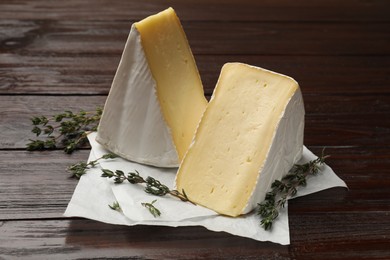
x=57 y=55
x=36 y=184
x=199 y=10
x=317 y=238
x=80 y=57
x=49 y=37
x=72 y=240
x=90 y=75
x=322 y=236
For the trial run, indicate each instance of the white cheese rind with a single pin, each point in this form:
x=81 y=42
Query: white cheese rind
x=132 y=125
x=285 y=150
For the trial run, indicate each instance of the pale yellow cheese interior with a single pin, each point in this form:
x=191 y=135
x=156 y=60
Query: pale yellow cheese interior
x=221 y=168
x=179 y=87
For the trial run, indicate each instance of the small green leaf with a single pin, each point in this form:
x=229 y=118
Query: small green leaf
x=152 y=209
x=48 y=130
x=36 y=130
x=50 y=144
x=36 y=120
x=109 y=156
x=67 y=128
x=34 y=145
x=107 y=173
x=115 y=206
x=287 y=187
x=153 y=186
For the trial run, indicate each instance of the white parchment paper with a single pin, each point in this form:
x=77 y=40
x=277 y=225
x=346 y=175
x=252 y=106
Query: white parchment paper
x=93 y=194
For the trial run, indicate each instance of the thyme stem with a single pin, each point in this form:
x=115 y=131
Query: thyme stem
x=152 y=209
x=153 y=186
x=115 y=206
x=67 y=128
x=285 y=188
x=81 y=168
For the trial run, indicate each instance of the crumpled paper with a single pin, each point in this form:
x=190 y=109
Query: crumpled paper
x=93 y=194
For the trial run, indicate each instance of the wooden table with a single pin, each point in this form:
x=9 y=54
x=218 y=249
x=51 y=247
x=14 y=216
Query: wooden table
x=58 y=55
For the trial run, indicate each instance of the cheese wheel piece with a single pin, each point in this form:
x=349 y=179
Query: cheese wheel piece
x=156 y=99
x=250 y=134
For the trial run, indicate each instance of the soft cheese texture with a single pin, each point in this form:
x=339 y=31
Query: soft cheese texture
x=250 y=134
x=156 y=99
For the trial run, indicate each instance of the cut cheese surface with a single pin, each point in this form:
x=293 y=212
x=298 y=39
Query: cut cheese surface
x=179 y=87
x=250 y=134
x=156 y=99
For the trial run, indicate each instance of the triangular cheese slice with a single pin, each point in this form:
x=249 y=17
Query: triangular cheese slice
x=156 y=99
x=250 y=134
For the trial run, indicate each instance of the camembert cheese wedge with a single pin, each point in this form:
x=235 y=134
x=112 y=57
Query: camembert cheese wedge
x=156 y=99
x=250 y=134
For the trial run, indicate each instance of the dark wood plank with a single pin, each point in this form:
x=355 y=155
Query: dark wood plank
x=85 y=239
x=36 y=184
x=330 y=120
x=289 y=38
x=59 y=38
x=46 y=74
x=347 y=75
x=199 y=10
x=333 y=235
x=84 y=74
x=315 y=237
x=347 y=130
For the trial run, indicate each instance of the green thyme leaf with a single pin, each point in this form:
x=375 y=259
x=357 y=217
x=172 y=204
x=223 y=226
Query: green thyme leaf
x=152 y=209
x=81 y=168
x=115 y=206
x=153 y=186
x=67 y=128
x=281 y=190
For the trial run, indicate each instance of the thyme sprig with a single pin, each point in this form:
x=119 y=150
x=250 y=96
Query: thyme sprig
x=67 y=128
x=115 y=206
x=152 y=209
x=153 y=186
x=285 y=188
x=80 y=168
